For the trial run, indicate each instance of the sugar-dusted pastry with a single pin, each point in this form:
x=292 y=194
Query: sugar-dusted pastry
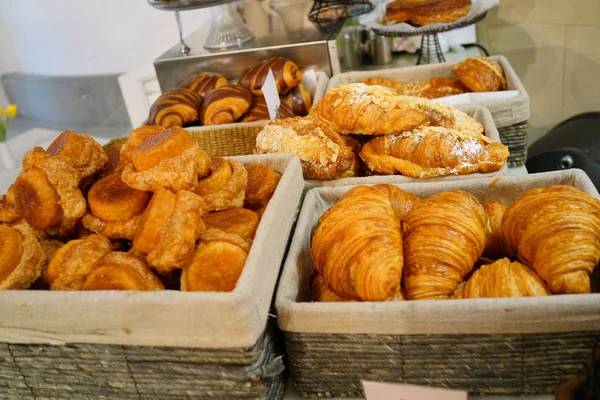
x=557 y=231
x=430 y=152
x=299 y=100
x=71 y=263
x=8 y=207
x=121 y=271
x=503 y=278
x=425 y=12
x=480 y=74
x=239 y=221
x=388 y=83
x=177 y=107
x=171 y=160
x=367 y=110
x=225 y=105
x=258 y=111
x=114 y=208
x=203 y=82
x=324 y=154
x=231 y=194
x=286 y=72
x=21 y=257
x=495 y=242
x=357 y=245
x=262 y=183
x=444 y=236
x=321 y=292
x=217 y=264
x=79 y=151
x=47 y=193
x=169 y=228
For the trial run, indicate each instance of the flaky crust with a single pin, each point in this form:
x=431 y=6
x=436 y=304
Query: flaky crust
x=30 y=264
x=175 y=108
x=444 y=236
x=262 y=183
x=430 y=152
x=136 y=137
x=321 y=292
x=121 y=271
x=502 y=279
x=225 y=105
x=480 y=74
x=239 y=221
x=445 y=116
x=80 y=151
x=388 y=83
x=112 y=230
x=495 y=242
x=8 y=207
x=231 y=194
x=556 y=231
x=203 y=82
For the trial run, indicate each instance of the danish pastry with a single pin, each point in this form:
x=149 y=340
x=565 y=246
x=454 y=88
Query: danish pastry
x=480 y=74
x=178 y=107
x=79 y=151
x=232 y=193
x=239 y=221
x=21 y=257
x=219 y=176
x=121 y=271
x=286 y=72
x=113 y=166
x=262 y=183
x=8 y=207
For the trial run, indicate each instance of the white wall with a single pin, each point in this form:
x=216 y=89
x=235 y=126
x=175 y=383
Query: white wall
x=79 y=37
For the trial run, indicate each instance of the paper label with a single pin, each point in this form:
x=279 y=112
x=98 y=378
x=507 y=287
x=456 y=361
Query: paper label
x=390 y=391
x=309 y=80
x=474 y=98
x=271 y=94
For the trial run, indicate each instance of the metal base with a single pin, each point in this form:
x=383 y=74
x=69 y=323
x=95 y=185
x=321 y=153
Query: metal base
x=431 y=51
x=227 y=28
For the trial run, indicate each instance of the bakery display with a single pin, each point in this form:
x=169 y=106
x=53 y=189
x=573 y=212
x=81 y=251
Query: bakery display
x=425 y=12
x=225 y=105
x=286 y=72
x=259 y=111
x=121 y=271
x=231 y=193
x=299 y=100
x=203 y=82
x=175 y=108
x=480 y=74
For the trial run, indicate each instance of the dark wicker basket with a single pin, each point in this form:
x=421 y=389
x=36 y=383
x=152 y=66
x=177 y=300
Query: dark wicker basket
x=515 y=137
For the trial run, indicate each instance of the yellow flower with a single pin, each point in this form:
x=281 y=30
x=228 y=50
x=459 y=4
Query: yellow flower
x=1 y=111
x=11 y=110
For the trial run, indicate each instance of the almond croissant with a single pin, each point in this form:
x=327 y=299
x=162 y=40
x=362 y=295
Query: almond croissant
x=444 y=236
x=557 y=231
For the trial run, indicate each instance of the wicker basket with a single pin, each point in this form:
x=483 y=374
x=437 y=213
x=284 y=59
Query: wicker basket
x=485 y=346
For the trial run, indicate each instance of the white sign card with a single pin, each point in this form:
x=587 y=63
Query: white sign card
x=474 y=98
x=271 y=94
x=392 y=391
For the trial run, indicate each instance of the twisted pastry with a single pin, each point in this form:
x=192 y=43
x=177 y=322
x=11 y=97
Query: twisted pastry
x=175 y=108
x=79 y=151
x=231 y=194
x=286 y=72
x=557 y=231
x=203 y=83
x=495 y=243
x=480 y=74
x=121 y=271
x=299 y=101
x=444 y=236
x=259 y=111
x=21 y=257
x=225 y=105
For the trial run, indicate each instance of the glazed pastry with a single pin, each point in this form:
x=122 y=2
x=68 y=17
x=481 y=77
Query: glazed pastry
x=444 y=236
x=388 y=83
x=357 y=245
x=480 y=74
x=232 y=193
x=113 y=166
x=286 y=73
x=239 y=221
x=79 y=151
x=121 y=271
x=8 y=207
x=495 y=242
x=225 y=105
x=299 y=100
x=557 y=231
x=171 y=160
x=219 y=176
x=72 y=263
x=203 y=82
x=324 y=154
x=262 y=183
x=175 y=108
x=114 y=208
x=367 y=110
x=425 y=12
x=321 y=292
x=430 y=152
x=217 y=264
x=259 y=111
x=21 y=257
x=502 y=279
x=46 y=193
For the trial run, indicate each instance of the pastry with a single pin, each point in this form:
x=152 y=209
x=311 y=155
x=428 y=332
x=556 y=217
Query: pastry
x=445 y=116
x=8 y=207
x=239 y=221
x=443 y=87
x=299 y=100
x=557 y=231
x=217 y=264
x=480 y=74
x=71 y=263
x=425 y=12
x=114 y=208
x=286 y=74
x=168 y=229
x=430 y=152
x=321 y=292
x=113 y=166
x=502 y=279
x=444 y=236
x=413 y=89
x=136 y=137
x=495 y=242
x=203 y=82
x=367 y=110
x=121 y=271
x=262 y=183
x=79 y=151
x=324 y=154
x=178 y=107
x=258 y=111
x=171 y=159
x=219 y=176
x=357 y=245
x=388 y=83
x=225 y=105
x=21 y=257
x=231 y=194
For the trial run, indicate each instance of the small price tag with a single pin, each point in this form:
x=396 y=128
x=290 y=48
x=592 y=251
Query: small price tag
x=309 y=80
x=271 y=94
x=390 y=391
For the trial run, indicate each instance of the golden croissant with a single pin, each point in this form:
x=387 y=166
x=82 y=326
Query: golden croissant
x=495 y=242
x=556 y=230
x=444 y=236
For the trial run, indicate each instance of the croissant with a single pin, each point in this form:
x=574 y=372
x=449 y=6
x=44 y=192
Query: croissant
x=425 y=12
x=203 y=82
x=445 y=116
x=496 y=244
x=502 y=279
x=21 y=257
x=286 y=73
x=388 y=83
x=259 y=111
x=225 y=105
x=79 y=151
x=556 y=230
x=442 y=87
x=299 y=100
x=357 y=245
x=432 y=151
x=262 y=183
x=444 y=236
x=321 y=292
x=480 y=74
x=121 y=271
x=175 y=108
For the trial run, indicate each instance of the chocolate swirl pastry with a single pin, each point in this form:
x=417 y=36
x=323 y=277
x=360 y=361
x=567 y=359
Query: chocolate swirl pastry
x=175 y=108
x=286 y=72
x=225 y=105
x=260 y=112
x=299 y=99
x=203 y=82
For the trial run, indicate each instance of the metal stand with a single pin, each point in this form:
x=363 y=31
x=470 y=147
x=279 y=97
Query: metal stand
x=326 y=14
x=431 y=51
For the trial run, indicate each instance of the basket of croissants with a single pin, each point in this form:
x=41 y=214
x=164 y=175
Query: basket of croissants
x=489 y=286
